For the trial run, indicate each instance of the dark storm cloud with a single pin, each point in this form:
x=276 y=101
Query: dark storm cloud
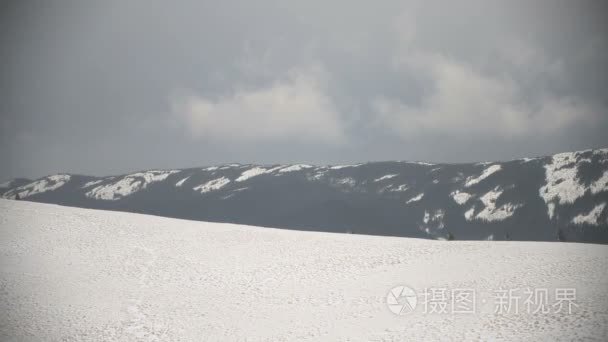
x=108 y=87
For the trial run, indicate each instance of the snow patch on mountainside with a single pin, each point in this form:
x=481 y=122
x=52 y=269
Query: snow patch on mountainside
x=347 y=181
x=562 y=183
x=128 y=185
x=234 y=192
x=296 y=167
x=400 y=188
x=256 y=171
x=338 y=167
x=432 y=222
x=317 y=175
x=212 y=185
x=436 y=217
x=491 y=212
x=415 y=198
x=418 y=163
x=385 y=188
x=385 y=177
x=460 y=197
x=551 y=210
x=592 y=217
x=484 y=174
x=601 y=151
x=601 y=184
x=49 y=183
x=91 y=183
x=470 y=214
x=229 y=166
x=181 y=182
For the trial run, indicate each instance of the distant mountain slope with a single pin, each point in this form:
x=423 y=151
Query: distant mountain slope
x=560 y=197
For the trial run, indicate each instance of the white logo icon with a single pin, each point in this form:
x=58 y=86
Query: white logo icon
x=401 y=300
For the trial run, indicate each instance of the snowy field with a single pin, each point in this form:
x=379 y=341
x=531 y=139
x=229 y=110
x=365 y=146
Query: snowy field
x=70 y=274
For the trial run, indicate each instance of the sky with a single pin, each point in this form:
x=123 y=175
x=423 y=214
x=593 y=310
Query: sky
x=109 y=87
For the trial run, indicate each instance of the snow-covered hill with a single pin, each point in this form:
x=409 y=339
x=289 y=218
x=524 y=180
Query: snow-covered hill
x=561 y=197
x=70 y=274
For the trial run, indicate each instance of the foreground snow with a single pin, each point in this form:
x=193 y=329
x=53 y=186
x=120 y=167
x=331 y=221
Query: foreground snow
x=76 y=275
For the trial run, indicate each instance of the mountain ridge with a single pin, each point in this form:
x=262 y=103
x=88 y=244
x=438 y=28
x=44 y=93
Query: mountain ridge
x=559 y=197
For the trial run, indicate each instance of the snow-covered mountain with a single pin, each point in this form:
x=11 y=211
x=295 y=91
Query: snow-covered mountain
x=559 y=197
x=72 y=274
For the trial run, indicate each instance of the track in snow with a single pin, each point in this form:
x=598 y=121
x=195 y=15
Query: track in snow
x=87 y=275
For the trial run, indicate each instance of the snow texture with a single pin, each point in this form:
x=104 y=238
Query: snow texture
x=296 y=167
x=228 y=166
x=256 y=171
x=550 y=210
x=419 y=163
x=128 y=185
x=346 y=181
x=460 y=197
x=469 y=214
x=181 y=182
x=600 y=185
x=592 y=217
x=385 y=177
x=318 y=175
x=400 y=188
x=91 y=183
x=49 y=183
x=562 y=184
x=338 y=167
x=415 y=198
x=490 y=212
x=212 y=185
x=484 y=174
x=71 y=274
x=436 y=218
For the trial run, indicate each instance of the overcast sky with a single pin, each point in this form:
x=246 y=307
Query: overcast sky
x=108 y=87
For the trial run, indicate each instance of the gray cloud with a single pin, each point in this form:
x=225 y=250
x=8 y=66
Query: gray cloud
x=465 y=100
x=295 y=108
x=102 y=88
